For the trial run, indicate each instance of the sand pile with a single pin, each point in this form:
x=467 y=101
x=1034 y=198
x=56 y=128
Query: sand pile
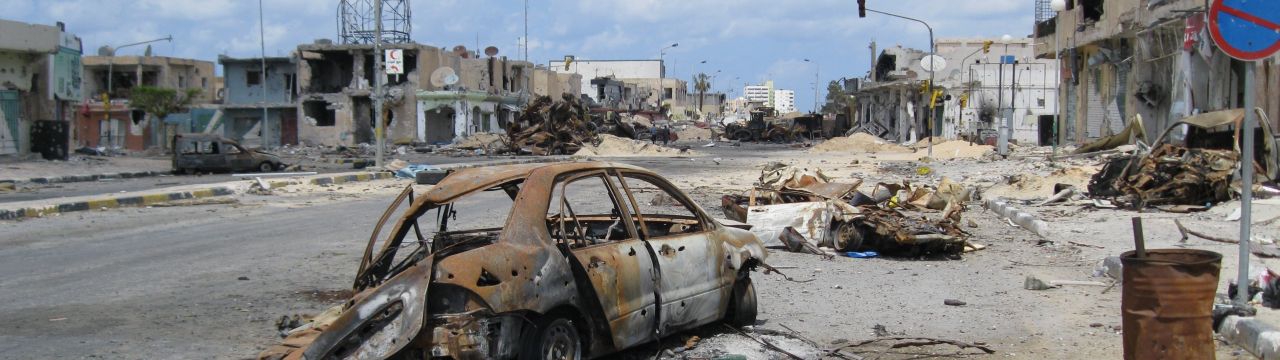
x=956 y=149
x=1028 y=186
x=690 y=132
x=858 y=143
x=615 y=146
x=481 y=141
x=924 y=143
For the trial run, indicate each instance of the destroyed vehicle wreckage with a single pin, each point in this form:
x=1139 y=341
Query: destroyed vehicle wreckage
x=578 y=268
x=790 y=205
x=1191 y=167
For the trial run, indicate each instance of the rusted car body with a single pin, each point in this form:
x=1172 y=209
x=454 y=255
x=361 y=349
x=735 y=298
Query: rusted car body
x=566 y=276
x=203 y=152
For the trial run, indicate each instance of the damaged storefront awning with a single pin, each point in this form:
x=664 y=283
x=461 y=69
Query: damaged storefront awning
x=432 y=100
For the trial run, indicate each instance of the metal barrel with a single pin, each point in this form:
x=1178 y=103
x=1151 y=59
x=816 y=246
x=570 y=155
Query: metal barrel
x=1167 y=303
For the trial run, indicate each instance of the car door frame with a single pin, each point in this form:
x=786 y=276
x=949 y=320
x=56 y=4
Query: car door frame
x=632 y=321
x=693 y=289
x=242 y=161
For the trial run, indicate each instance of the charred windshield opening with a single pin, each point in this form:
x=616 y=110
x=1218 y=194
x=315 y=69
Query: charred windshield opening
x=472 y=220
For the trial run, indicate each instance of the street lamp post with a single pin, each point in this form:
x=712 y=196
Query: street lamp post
x=1058 y=7
x=1006 y=126
x=933 y=49
x=662 y=72
x=816 y=72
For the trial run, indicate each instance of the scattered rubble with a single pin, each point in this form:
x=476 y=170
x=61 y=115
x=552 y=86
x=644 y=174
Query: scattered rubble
x=547 y=127
x=790 y=204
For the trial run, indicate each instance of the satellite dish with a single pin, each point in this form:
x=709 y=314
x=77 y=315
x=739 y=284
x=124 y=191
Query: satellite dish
x=461 y=51
x=491 y=51
x=444 y=76
x=933 y=63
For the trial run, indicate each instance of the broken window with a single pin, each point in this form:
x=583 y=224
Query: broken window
x=204 y=83
x=663 y=212
x=1092 y=9
x=182 y=82
x=583 y=212
x=320 y=112
x=331 y=72
x=230 y=149
x=667 y=93
x=252 y=78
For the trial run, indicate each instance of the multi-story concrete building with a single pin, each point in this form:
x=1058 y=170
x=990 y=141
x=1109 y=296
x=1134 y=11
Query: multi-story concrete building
x=39 y=88
x=248 y=91
x=121 y=126
x=784 y=101
x=336 y=93
x=642 y=75
x=762 y=94
x=977 y=90
x=1126 y=59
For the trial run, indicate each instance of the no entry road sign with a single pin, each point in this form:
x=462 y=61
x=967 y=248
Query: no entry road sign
x=1245 y=29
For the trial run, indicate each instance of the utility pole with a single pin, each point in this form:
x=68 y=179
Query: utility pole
x=379 y=76
x=1006 y=126
x=526 y=30
x=262 y=42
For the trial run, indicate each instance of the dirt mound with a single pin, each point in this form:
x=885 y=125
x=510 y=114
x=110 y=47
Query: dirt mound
x=481 y=141
x=955 y=149
x=1028 y=186
x=858 y=143
x=615 y=146
x=690 y=133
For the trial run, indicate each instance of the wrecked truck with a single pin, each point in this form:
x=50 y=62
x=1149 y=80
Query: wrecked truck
x=573 y=264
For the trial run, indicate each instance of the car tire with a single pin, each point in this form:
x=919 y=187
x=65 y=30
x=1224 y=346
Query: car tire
x=265 y=167
x=742 y=309
x=553 y=339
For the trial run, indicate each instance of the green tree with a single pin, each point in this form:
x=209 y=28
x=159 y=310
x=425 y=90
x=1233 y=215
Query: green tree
x=159 y=102
x=701 y=84
x=837 y=99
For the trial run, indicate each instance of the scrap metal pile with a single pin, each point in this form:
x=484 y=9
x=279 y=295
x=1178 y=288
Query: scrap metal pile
x=1191 y=172
x=790 y=204
x=547 y=127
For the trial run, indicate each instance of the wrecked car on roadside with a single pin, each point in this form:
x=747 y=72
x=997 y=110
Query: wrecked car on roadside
x=203 y=152
x=561 y=261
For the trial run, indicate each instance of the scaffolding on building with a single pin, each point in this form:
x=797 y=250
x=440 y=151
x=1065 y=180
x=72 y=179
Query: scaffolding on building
x=1044 y=11
x=357 y=24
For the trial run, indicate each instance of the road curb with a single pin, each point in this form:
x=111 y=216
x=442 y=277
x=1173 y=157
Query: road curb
x=114 y=202
x=224 y=189
x=86 y=178
x=1259 y=338
x=1022 y=218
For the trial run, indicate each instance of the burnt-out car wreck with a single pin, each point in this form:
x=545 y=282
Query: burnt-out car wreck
x=561 y=261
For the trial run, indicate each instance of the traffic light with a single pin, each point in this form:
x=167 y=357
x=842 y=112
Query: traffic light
x=862 y=8
x=986 y=46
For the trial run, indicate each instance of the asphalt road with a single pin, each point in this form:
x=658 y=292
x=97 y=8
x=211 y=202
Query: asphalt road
x=29 y=192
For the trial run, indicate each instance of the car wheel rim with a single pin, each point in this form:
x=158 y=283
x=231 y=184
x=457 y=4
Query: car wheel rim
x=561 y=343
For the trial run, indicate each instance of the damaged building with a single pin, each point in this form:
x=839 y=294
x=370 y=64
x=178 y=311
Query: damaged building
x=39 y=88
x=983 y=82
x=442 y=95
x=1147 y=59
x=636 y=86
x=120 y=126
x=249 y=90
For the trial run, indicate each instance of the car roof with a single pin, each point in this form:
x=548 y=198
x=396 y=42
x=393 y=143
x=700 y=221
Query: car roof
x=473 y=179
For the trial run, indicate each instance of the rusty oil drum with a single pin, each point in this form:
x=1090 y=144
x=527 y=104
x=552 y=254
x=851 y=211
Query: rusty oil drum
x=1167 y=303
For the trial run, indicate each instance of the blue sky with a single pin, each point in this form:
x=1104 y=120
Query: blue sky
x=746 y=40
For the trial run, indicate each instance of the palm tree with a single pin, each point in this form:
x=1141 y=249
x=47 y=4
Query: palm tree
x=701 y=83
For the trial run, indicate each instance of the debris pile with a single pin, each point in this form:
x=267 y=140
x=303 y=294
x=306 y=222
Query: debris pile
x=1173 y=175
x=486 y=141
x=547 y=127
x=859 y=143
x=957 y=149
x=609 y=145
x=791 y=204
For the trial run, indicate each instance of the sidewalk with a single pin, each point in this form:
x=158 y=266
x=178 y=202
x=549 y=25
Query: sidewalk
x=40 y=208
x=83 y=168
